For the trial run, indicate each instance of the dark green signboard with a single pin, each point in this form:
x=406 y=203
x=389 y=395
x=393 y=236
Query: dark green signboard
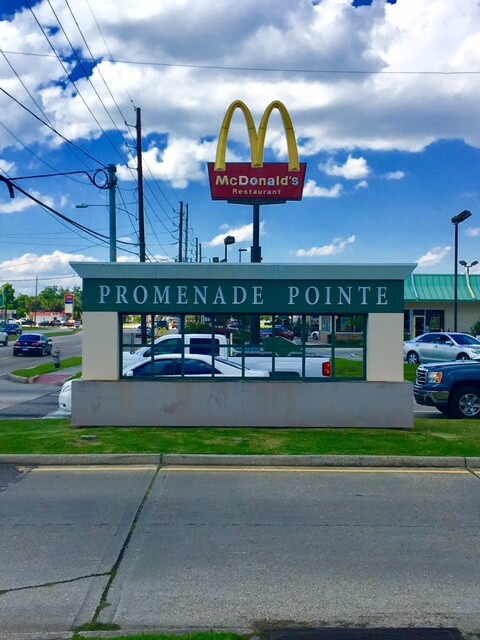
x=242 y=296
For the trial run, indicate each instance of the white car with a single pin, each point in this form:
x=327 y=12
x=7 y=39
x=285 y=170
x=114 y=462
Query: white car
x=171 y=365
x=65 y=397
x=3 y=337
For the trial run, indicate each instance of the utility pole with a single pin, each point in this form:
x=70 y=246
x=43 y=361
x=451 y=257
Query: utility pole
x=112 y=209
x=141 y=211
x=180 y=234
x=186 y=233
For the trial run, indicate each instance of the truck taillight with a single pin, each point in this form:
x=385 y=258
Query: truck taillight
x=326 y=368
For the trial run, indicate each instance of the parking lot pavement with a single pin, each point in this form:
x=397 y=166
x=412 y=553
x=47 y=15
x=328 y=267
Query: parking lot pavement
x=12 y=393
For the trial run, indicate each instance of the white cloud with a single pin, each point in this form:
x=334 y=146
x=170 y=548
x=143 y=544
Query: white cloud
x=7 y=167
x=433 y=257
x=336 y=246
x=395 y=175
x=22 y=203
x=330 y=111
x=241 y=234
x=182 y=161
x=353 y=169
x=363 y=184
x=473 y=232
x=50 y=269
x=312 y=190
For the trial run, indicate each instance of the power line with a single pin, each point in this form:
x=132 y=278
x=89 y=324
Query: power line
x=273 y=69
x=55 y=131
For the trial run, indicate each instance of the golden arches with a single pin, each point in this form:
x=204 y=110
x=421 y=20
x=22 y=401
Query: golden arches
x=257 y=139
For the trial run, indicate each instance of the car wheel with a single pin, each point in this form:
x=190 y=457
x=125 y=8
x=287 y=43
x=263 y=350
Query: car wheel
x=5 y=342
x=466 y=403
x=463 y=356
x=15 y=353
x=412 y=358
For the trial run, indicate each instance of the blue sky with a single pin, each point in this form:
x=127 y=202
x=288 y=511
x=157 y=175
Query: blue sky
x=383 y=96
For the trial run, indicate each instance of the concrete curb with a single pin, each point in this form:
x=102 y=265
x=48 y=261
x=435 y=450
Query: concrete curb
x=20 y=379
x=255 y=461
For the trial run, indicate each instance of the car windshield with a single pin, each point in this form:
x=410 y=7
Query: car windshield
x=461 y=338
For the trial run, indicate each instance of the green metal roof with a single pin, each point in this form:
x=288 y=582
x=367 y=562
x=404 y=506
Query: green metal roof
x=440 y=288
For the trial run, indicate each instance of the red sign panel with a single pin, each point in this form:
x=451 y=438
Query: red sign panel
x=69 y=298
x=240 y=181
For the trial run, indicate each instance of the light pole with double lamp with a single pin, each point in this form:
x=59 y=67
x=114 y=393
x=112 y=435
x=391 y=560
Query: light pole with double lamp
x=468 y=266
x=456 y=220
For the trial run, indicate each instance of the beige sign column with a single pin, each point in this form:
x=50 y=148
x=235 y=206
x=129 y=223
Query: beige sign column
x=100 y=346
x=384 y=351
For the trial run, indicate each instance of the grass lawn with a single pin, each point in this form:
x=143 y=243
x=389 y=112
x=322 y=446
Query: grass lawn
x=430 y=437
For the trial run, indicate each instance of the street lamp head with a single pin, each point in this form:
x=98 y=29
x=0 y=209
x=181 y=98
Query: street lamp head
x=82 y=206
x=474 y=263
x=460 y=217
x=229 y=240
x=462 y=262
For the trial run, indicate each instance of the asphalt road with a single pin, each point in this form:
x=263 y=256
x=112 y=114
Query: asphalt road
x=197 y=549
x=70 y=345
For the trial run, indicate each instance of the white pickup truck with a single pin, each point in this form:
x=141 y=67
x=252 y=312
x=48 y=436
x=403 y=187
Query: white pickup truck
x=279 y=367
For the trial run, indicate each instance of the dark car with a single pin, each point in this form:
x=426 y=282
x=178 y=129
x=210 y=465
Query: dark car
x=34 y=344
x=12 y=329
x=280 y=330
x=138 y=332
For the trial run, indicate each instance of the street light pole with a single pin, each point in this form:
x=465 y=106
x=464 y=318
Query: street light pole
x=240 y=251
x=456 y=220
x=226 y=241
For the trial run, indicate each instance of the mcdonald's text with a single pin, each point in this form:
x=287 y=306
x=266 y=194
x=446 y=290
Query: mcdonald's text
x=272 y=181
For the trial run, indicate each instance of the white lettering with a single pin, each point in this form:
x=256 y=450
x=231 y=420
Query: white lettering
x=328 y=291
x=316 y=296
x=200 y=295
x=382 y=295
x=342 y=294
x=104 y=292
x=257 y=295
x=121 y=294
x=137 y=294
x=159 y=297
x=182 y=294
x=236 y=291
x=219 y=297
x=364 y=294
x=293 y=293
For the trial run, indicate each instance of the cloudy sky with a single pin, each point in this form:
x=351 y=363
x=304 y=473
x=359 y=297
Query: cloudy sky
x=384 y=97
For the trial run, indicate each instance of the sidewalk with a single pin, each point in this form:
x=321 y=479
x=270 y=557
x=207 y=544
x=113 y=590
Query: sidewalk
x=56 y=378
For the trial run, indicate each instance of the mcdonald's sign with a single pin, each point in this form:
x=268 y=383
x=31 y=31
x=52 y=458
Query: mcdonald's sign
x=258 y=182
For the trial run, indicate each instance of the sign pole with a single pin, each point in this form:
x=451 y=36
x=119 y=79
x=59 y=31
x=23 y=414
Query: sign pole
x=256 y=249
x=255 y=256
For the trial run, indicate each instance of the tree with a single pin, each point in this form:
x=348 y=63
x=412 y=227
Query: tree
x=475 y=330
x=24 y=304
x=78 y=304
x=51 y=299
x=8 y=297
